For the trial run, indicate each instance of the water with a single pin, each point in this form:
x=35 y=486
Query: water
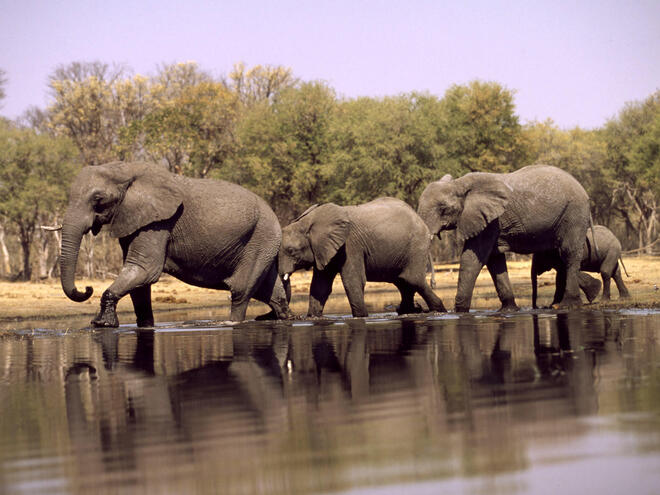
x=483 y=403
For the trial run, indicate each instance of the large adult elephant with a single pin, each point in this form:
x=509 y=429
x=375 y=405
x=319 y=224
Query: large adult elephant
x=205 y=232
x=601 y=254
x=533 y=209
x=380 y=241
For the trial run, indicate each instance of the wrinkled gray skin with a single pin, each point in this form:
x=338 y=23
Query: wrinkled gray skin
x=603 y=260
x=533 y=209
x=380 y=241
x=207 y=233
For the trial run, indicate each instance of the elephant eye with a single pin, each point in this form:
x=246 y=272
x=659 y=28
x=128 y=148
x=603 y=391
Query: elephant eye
x=100 y=202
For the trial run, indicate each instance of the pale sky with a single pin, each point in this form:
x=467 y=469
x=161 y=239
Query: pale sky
x=576 y=62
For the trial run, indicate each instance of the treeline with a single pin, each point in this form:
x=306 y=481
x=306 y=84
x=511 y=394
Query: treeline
x=296 y=143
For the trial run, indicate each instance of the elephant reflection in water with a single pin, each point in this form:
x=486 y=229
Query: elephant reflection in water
x=280 y=384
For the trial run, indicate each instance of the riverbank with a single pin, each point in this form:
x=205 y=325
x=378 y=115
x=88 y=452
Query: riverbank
x=20 y=301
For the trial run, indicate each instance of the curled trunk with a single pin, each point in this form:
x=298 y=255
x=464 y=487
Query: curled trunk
x=71 y=238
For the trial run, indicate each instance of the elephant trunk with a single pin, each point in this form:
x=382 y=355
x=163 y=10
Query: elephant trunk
x=285 y=268
x=430 y=218
x=72 y=233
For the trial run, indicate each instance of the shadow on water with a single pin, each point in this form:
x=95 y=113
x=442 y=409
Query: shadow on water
x=481 y=403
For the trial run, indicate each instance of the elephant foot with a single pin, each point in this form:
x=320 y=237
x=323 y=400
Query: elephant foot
x=568 y=303
x=509 y=307
x=107 y=316
x=145 y=323
x=409 y=310
x=271 y=315
x=438 y=307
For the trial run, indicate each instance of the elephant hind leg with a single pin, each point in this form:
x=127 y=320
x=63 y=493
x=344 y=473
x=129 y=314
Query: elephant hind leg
x=434 y=302
x=607 y=279
x=571 y=255
x=271 y=292
x=407 y=305
x=243 y=284
x=618 y=280
x=419 y=285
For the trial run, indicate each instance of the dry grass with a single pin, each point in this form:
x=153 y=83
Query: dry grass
x=27 y=301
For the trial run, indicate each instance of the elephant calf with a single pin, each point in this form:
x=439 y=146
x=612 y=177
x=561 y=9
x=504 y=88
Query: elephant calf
x=380 y=241
x=205 y=232
x=603 y=258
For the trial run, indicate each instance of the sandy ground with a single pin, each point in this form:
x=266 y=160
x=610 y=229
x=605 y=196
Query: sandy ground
x=20 y=301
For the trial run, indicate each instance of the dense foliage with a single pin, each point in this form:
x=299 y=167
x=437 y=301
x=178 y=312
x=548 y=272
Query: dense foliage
x=297 y=142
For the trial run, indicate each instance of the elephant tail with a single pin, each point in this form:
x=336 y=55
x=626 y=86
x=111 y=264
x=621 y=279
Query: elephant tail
x=624 y=266
x=593 y=235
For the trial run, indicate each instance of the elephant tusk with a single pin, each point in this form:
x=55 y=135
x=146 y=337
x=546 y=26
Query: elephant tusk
x=285 y=277
x=51 y=228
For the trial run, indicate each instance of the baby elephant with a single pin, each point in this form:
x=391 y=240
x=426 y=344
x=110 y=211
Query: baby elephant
x=603 y=258
x=380 y=241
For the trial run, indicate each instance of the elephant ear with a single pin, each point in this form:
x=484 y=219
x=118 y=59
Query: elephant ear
x=328 y=232
x=154 y=194
x=485 y=200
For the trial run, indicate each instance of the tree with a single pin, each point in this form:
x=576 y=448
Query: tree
x=633 y=152
x=86 y=108
x=3 y=82
x=384 y=147
x=188 y=121
x=260 y=83
x=480 y=131
x=35 y=172
x=284 y=149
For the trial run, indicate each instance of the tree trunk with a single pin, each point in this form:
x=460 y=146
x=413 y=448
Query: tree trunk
x=42 y=254
x=26 y=242
x=6 y=265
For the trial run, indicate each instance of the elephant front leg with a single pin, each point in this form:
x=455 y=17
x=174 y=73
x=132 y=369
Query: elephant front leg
x=143 y=263
x=467 y=276
x=141 y=298
x=319 y=291
x=107 y=315
x=354 y=278
x=500 y=275
x=560 y=285
x=474 y=256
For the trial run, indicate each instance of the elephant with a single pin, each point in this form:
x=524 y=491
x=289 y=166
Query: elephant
x=535 y=208
x=205 y=232
x=383 y=240
x=601 y=256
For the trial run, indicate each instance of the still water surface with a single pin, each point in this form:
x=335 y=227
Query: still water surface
x=483 y=403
